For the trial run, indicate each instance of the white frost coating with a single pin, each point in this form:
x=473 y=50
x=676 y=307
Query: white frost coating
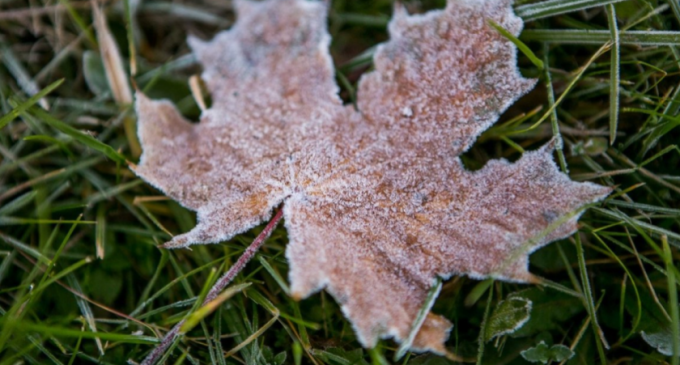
x=517 y=325
x=376 y=202
x=661 y=340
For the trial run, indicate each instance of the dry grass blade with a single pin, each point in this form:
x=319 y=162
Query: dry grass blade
x=196 y=91
x=113 y=62
x=615 y=75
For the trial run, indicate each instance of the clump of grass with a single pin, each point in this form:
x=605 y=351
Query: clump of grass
x=81 y=279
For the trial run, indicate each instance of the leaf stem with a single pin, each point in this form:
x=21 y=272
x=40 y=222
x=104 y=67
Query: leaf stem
x=221 y=283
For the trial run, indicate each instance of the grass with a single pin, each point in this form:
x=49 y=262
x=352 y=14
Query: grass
x=81 y=278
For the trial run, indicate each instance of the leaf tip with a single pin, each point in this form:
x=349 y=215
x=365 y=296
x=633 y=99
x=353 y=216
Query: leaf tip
x=551 y=145
x=297 y=295
x=399 y=11
x=179 y=241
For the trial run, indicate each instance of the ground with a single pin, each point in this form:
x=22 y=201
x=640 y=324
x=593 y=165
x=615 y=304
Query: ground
x=83 y=281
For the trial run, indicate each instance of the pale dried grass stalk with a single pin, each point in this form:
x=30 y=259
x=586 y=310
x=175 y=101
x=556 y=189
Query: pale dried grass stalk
x=113 y=63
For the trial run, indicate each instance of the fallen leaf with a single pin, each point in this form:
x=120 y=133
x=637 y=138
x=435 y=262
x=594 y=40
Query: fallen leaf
x=376 y=202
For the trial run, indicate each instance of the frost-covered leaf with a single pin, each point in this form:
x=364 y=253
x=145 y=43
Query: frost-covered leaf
x=545 y=354
x=508 y=316
x=655 y=327
x=661 y=339
x=376 y=202
x=549 y=308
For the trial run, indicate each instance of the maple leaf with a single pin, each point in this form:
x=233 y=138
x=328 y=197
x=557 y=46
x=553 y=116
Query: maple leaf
x=376 y=202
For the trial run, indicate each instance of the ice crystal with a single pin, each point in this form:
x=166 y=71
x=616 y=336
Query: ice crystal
x=376 y=202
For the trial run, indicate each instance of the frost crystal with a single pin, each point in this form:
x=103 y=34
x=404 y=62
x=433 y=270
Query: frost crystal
x=376 y=202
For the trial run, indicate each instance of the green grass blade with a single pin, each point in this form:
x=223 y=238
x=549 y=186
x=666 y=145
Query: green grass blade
x=129 y=27
x=544 y=9
x=66 y=332
x=645 y=207
x=17 y=203
x=7 y=221
x=482 y=328
x=60 y=275
x=672 y=301
x=521 y=46
x=211 y=306
x=377 y=357
x=6 y=264
x=79 y=136
x=259 y=299
x=75 y=351
x=16 y=68
x=80 y=22
x=21 y=108
x=23 y=247
x=557 y=135
x=180 y=279
x=675 y=6
x=638 y=223
x=571 y=85
x=580 y=37
x=277 y=277
x=85 y=310
x=638 y=315
x=589 y=302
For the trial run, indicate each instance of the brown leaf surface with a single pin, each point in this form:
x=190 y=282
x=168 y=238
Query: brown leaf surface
x=376 y=203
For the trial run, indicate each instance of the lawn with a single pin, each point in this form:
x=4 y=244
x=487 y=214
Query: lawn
x=83 y=281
